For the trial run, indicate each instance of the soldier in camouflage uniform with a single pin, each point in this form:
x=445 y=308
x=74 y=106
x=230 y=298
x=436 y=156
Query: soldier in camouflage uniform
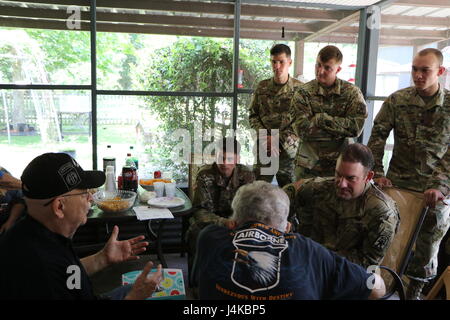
x=214 y=190
x=347 y=214
x=269 y=109
x=326 y=114
x=420 y=118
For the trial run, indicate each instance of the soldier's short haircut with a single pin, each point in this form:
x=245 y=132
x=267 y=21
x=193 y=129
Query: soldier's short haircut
x=436 y=52
x=229 y=144
x=330 y=52
x=261 y=202
x=279 y=49
x=358 y=153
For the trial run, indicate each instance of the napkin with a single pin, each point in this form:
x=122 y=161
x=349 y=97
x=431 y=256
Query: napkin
x=146 y=213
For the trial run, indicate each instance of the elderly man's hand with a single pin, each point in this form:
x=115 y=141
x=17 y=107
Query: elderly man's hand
x=116 y=251
x=230 y=224
x=145 y=286
x=432 y=197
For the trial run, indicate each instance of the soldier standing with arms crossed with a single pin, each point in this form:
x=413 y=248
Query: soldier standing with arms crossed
x=326 y=112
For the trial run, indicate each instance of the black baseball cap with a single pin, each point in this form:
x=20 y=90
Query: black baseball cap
x=52 y=174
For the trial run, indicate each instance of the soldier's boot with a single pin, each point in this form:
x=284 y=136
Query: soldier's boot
x=414 y=290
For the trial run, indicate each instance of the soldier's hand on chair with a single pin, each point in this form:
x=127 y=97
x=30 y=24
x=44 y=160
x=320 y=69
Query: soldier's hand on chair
x=432 y=197
x=382 y=182
x=298 y=184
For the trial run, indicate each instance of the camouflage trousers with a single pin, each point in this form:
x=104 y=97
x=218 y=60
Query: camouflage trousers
x=285 y=173
x=447 y=247
x=305 y=173
x=424 y=262
x=191 y=239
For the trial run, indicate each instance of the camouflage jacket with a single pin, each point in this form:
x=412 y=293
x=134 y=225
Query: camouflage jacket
x=360 y=229
x=213 y=193
x=324 y=120
x=269 y=109
x=421 y=155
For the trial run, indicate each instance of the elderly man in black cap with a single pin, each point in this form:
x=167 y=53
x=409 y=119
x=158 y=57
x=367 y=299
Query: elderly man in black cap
x=37 y=258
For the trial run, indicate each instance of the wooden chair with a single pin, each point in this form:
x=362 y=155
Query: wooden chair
x=411 y=207
x=197 y=161
x=444 y=279
x=193 y=168
x=397 y=285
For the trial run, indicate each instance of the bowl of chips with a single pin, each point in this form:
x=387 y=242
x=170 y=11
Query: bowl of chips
x=114 y=202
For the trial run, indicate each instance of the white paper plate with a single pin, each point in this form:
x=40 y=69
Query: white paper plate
x=166 y=202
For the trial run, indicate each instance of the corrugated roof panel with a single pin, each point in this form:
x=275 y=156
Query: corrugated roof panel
x=353 y=3
x=405 y=27
x=432 y=28
x=421 y=11
x=441 y=13
x=396 y=9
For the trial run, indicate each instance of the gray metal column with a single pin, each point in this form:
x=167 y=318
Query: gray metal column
x=366 y=65
x=299 y=58
x=93 y=38
x=237 y=18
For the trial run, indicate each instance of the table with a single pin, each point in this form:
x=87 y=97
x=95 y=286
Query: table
x=96 y=215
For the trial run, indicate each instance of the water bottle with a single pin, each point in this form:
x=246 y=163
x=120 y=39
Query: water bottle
x=134 y=158
x=129 y=162
x=110 y=183
x=109 y=160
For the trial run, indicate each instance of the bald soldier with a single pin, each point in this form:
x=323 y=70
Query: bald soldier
x=326 y=114
x=420 y=118
x=347 y=214
x=269 y=110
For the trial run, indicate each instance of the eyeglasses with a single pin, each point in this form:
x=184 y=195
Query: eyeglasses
x=87 y=193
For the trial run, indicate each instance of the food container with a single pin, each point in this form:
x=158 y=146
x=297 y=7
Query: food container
x=113 y=202
x=148 y=184
x=146 y=195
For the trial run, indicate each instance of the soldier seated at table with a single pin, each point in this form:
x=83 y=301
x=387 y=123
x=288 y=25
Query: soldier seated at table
x=214 y=189
x=348 y=213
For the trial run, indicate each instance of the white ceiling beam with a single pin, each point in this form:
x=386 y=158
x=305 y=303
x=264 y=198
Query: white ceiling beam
x=333 y=26
x=159 y=19
x=147 y=29
x=424 y=3
x=402 y=20
x=209 y=8
x=104 y=27
x=401 y=33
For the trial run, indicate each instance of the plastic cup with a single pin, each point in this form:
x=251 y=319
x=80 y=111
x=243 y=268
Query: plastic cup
x=159 y=189
x=170 y=189
x=167 y=175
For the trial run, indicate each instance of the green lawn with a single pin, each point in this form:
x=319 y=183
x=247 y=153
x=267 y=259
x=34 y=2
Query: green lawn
x=21 y=140
x=112 y=134
x=107 y=134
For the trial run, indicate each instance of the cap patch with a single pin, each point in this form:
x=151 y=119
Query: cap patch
x=69 y=175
